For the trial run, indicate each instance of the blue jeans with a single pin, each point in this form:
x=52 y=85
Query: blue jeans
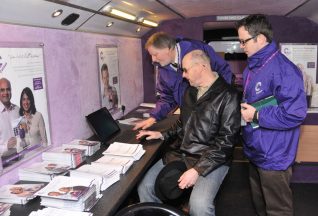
x=201 y=201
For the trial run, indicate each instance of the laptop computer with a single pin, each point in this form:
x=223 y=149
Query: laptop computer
x=106 y=127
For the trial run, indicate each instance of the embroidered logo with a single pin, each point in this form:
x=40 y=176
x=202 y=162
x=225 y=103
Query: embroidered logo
x=258 y=89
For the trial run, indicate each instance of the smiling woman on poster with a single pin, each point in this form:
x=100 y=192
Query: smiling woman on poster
x=32 y=120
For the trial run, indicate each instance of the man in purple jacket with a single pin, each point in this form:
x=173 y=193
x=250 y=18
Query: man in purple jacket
x=271 y=147
x=168 y=53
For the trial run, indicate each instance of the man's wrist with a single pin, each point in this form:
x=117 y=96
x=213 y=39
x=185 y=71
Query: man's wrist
x=255 y=117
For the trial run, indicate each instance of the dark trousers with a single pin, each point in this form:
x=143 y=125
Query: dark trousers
x=271 y=193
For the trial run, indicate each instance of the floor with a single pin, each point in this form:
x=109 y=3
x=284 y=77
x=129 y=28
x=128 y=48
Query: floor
x=234 y=197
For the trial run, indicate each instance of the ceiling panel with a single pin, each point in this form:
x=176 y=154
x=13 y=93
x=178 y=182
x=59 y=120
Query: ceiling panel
x=98 y=24
x=197 y=8
x=149 y=9
x=90 y=4
x=38 y=13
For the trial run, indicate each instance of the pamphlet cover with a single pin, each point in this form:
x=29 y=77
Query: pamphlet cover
x=19 y=193
x=268 y=101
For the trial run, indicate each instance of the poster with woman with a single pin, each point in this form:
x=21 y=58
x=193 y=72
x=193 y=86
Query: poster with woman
x=109 y=78
x=304 y=56
x=24 y=119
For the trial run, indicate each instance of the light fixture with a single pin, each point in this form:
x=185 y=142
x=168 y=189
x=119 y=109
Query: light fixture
x=138 y=29
x=122 y=14
x=109 y=24
x=150 y=23
x=57 y=13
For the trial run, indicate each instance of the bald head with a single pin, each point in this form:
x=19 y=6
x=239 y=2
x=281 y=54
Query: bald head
x=197 y=56
x=197 y=69
x=5 y=92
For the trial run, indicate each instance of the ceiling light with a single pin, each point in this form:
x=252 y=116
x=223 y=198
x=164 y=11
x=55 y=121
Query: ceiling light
x=150 y=23
x=138 y=29
x=122 y=14
x=57 y=13
x=127 y=3
x=109 y=24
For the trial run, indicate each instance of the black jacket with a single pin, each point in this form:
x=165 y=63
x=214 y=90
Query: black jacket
x=207 y=129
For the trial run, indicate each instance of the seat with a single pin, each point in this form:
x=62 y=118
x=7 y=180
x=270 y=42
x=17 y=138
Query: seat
x=149 y=208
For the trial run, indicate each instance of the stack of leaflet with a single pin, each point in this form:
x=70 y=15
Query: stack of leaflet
x=121 y=164
x=90 y=147
x=55 y=211
x=5 y=209
x=69 y=193
x=42 y=171
x=67 y=156
x=19 y=193
x=130 y=151
x=104 y=175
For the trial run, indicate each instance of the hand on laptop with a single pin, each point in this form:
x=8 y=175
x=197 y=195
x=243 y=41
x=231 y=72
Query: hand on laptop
x=145 y=123
x=149 y=135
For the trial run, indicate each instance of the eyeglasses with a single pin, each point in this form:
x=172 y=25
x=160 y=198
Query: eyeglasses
x=243 y=42
x=5 y=89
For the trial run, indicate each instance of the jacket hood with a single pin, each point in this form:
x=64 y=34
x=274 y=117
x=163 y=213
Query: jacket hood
x=260 y=57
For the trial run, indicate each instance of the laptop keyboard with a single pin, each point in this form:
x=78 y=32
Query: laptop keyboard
x=127 y=137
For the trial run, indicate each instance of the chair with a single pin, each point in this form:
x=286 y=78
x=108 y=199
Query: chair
x=148 y=208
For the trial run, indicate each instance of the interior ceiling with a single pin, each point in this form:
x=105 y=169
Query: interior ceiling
x=93 y=19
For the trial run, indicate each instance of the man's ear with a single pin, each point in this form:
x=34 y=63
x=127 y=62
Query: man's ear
x=262 y=39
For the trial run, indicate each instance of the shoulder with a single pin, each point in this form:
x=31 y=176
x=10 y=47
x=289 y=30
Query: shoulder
x=38 y=115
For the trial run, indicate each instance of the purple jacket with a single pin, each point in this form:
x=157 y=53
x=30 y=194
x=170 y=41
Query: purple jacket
x=273 y=145
x=170 y=84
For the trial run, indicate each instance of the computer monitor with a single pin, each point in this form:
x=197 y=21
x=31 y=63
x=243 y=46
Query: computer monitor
x=103 y=124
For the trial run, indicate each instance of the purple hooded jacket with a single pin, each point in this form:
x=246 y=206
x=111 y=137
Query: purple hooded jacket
x=273 y=145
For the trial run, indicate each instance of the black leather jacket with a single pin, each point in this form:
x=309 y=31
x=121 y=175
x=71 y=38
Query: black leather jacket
x=207 y=129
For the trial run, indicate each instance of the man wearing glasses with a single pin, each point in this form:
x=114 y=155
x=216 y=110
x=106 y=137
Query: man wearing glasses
x=8 y=113
x=205 y=135
x=271 y=146
x=167 y=53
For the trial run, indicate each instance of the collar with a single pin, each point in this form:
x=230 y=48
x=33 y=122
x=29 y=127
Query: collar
x=203 y=89
x=260 y=57
x=177 y=58
x=3 y=108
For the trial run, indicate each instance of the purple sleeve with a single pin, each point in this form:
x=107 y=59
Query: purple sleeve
x=219 y=65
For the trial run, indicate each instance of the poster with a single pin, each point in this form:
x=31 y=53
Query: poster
x=304 y=56
x=109 y=78
x=27 y=127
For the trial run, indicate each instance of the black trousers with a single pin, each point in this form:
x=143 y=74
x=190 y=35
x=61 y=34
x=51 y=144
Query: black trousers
x=271 y=193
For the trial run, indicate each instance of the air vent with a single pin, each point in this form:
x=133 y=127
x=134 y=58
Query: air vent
x=70 y=19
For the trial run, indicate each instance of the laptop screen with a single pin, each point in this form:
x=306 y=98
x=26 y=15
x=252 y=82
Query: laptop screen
x=103 y=124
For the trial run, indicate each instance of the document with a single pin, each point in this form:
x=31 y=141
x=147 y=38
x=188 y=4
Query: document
x=133 y=151
x=90 y=147
x=70 y=193
x=122 y=164
x=42 y=171
x=19 y=193
x=268 y=101
x=105 y=175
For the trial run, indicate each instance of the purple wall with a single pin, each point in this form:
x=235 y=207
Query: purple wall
x=287 y=30
x=72 y=77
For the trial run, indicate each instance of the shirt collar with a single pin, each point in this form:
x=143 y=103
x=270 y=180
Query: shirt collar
x=3 y=108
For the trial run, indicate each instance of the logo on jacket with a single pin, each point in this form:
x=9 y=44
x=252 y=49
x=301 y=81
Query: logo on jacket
x=258 y=89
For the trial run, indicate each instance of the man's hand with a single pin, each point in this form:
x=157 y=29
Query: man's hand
x=12 y=143
x=188 y=178
x=149 y=135
x=247 y=112
x=145 y=123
